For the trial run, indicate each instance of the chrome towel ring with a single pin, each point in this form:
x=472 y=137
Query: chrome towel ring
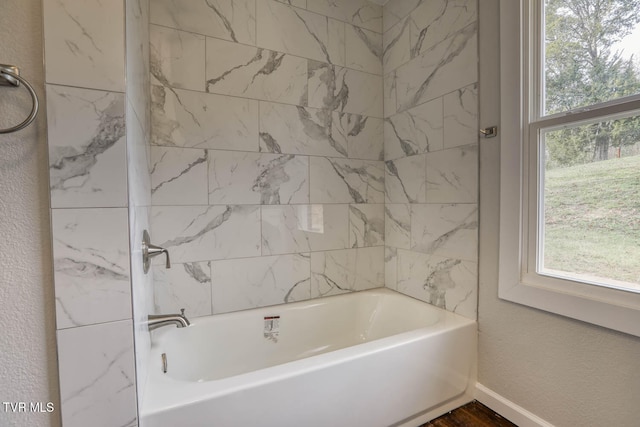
x=10 y=76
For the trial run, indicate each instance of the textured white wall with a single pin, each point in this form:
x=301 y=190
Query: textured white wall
x=567 y=372
x=28 y=370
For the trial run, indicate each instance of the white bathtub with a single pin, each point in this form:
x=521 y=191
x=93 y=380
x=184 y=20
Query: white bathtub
x=373 y=358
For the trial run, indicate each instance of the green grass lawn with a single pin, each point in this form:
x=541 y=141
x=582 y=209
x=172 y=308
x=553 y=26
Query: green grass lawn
x=592 y=215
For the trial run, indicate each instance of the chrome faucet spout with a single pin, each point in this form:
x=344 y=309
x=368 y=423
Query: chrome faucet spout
x=156 y=321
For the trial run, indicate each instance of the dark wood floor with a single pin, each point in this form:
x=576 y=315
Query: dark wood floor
x=473 y=414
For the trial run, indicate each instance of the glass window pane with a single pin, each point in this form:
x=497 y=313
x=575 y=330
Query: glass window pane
x=590 y=185
x=591 y=52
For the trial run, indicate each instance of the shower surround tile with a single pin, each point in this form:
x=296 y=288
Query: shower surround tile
x=316 y=132
x=397 y=223
x=366 y=225
x=97 y=375
x=91 y=266
x=452 y=175
x=203 y=233
x=443 y=68
x=296 y=3
x=293 y=129
x=448 y=283
x=342 y=89
x=396 y=10
x=185 y=286
x=177 y=58
x=183 y=118
x=461 y=117
x=414 y=131
x=338 y=272
x=405 y=180
x=233 y=20
x=241 y=284
x=84 y=42
x=137 y=60
x=361 y=13
x=391 y=268
x=434 y=21
x=179 y=176
x=363 y=135
x=364 y=50
x=449 y=231
x=277 y=23
x=304 y=228
x=390 y=94
x=255 y=178
x=87 y=151
x=346 y=181
x=249 y=72
x=397 y=46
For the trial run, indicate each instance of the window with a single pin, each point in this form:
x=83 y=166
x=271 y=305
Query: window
x=570 y=107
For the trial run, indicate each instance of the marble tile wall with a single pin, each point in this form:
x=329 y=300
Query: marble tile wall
x=98 y=132
x=431 y=151
x=267 y=171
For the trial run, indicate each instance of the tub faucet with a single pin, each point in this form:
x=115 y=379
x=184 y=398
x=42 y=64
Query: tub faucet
x=156 y=321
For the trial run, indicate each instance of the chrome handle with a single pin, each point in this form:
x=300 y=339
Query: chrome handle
x=149 y=251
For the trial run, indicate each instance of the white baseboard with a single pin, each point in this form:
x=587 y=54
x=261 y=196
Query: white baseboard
x=509 y=410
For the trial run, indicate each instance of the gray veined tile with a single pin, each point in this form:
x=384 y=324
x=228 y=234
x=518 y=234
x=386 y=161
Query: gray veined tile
x=461 y=117
x=249 y=72
x=405 y=180
x=397 y=225
x=445 y=230
x=254 y=178
x=389 y=94
x=443 y=68
x=452 y=175
x=91 y=266
x=361 y=13
x=304 y=228
x=366 y=225
x=337 y=42
x=448 y=283
x=177 y=58
x=179 y=176
x=414 y=131
x=258 y=282
x=396 y=10
x=84 y=42
x=338 y=272
x=97 y=375
x=137 y=57
x=185 y=118
x=364 y=50
x=87 y=151
x=233 y=20
x=434 y=21
x=291 y=129
x=296 y=3
x=138 y=161
x=391 y=268
x=343 y=89
x=346 y=181
x=277 y=22
x=397 y=46
x=201 y=233
x=362 y=135
x=185 y=286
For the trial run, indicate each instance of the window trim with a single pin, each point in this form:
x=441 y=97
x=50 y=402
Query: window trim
x=608 y=307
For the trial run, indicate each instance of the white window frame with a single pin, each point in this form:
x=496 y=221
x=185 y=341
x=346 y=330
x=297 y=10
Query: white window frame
x=518 y=280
